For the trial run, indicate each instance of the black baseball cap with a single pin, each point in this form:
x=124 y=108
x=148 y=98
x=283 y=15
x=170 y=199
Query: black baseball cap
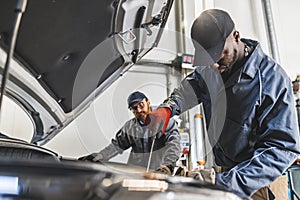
x=135 y=97
x=209 y=32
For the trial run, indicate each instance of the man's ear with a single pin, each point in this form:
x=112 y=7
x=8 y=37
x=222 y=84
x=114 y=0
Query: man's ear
x=236 y=35
x=148 y=102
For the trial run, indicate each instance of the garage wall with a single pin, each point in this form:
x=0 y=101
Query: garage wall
x=287 y=24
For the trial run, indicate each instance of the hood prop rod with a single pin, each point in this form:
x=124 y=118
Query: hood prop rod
x=150 y=155
x=19 y=10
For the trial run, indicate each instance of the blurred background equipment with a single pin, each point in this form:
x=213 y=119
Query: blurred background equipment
x=296 y=89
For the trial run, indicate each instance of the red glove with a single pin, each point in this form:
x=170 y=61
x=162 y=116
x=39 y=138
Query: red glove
x=158 y=120
x=297 y=161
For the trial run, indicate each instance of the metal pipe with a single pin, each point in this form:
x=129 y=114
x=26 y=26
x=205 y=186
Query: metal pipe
x=267 y=10
x=180 y=41
x=179 y=26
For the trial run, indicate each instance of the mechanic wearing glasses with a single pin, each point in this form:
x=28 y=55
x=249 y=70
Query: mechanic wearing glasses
x=166 y=147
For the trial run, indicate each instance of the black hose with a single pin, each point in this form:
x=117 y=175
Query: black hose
x=20 y=9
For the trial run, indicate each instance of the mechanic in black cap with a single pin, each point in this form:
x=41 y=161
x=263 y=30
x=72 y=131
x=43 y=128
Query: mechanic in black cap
x=134 y=134
x=248 y=102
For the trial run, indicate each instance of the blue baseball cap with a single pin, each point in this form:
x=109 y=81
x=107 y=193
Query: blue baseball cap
x=135 y=97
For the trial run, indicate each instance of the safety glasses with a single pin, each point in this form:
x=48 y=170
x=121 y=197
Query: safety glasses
x=140 y=105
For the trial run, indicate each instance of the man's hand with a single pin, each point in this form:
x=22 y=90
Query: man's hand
x=204 y=175
x=158 y=120
x=160 y=173
x=164 y=170
x=94 y=157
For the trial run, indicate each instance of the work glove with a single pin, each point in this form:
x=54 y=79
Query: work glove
x=94 y=157
x=158 y=120
x=297 y=161
x=204 y=175
x=164 y=169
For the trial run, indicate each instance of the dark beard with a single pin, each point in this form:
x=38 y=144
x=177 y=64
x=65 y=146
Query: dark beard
x=231 y=65
x=232 y=68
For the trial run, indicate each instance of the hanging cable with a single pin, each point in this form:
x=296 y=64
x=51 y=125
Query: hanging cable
x=20 y=9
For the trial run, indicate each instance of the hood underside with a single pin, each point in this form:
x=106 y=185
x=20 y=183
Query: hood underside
x=74 y=49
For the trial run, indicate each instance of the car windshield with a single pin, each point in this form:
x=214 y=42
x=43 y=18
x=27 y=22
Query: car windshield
x=16 y=123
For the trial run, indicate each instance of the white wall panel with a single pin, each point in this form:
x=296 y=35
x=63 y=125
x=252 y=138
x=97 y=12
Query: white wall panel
x=14 y=122
x=287 y=25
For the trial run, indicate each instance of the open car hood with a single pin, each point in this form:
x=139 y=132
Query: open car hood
x=67 y=52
